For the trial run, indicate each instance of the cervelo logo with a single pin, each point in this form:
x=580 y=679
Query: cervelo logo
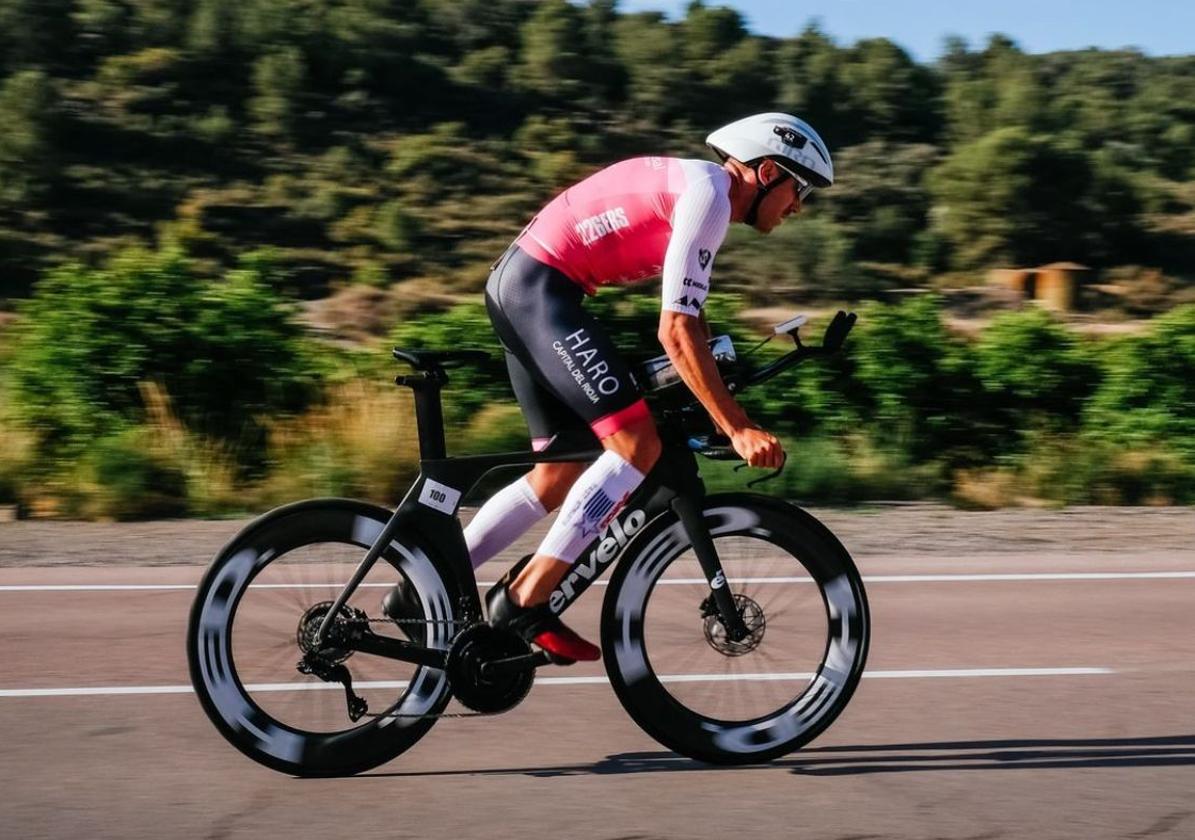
x=719 y=580
x=603 y=224
x=615 y=538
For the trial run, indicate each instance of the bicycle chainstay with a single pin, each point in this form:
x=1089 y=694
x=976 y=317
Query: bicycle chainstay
x=467 y=624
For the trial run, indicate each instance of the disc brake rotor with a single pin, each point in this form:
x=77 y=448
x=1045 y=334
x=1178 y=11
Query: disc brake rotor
x=715 y=632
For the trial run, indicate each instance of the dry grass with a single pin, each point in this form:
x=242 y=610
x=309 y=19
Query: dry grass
x=361 y=441
x=987 y=489
x=209 y=466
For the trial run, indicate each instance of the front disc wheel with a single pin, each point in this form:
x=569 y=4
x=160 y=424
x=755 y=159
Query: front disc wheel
x=736 y=699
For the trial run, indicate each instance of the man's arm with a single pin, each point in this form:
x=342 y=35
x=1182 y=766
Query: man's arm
x=684 y=338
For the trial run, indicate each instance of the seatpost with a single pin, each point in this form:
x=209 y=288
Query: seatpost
x=429 y=413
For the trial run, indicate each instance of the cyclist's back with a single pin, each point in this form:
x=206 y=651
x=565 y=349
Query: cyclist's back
x=619 y=224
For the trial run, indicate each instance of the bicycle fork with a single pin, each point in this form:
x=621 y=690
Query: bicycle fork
x=689 y=512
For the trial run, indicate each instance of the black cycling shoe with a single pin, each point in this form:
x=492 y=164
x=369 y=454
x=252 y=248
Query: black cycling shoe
x=401 y=605
x=539 y=625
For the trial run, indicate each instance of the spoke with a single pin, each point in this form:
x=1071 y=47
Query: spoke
x=263 y=668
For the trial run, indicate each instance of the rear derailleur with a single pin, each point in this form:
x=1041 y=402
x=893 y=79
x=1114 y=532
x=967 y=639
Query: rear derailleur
x=327 y=661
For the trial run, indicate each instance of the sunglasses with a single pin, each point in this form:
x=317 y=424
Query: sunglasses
x=804 y=188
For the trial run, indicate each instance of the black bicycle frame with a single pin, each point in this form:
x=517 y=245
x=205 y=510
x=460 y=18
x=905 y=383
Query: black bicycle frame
x=427 y=516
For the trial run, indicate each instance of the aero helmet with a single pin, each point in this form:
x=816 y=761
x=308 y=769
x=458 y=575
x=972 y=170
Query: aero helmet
x=790 y=143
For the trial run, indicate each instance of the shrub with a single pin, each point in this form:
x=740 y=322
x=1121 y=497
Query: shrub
x=1147 y=396
x=130 y=480
x=913 y=384
x=1034 y=372
x=229 y=352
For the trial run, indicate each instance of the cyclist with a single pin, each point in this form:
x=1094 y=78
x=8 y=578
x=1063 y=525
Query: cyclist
x=626 y=223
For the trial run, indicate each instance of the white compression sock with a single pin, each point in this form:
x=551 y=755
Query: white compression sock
x=598 y=495
x=502 y=520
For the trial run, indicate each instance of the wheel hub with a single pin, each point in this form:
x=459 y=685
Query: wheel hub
x=470 y=652
x=719 y=639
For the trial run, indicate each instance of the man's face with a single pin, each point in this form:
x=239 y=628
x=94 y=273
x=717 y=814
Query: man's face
x=778 y=204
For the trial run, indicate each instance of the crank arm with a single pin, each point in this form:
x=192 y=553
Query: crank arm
x=384 y=646
x=515 y=664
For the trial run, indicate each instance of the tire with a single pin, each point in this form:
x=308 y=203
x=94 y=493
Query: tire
x=294 y=544
x=755 y=705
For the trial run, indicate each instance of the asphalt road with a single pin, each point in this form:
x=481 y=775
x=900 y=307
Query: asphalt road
x=1031 y=675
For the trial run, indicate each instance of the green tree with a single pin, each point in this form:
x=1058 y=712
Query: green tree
x=811 y=84
x=658 y=92
x=553 y=61
x=881 y=197
x=278 y=85
x=27 y=153
x=1017 y=197
x=36 y=34
x=888 y=95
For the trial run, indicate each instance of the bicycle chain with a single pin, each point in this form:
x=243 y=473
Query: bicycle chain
x=469 y=623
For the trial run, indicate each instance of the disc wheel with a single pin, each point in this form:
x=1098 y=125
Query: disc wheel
x=724 y=700
x=254 y=621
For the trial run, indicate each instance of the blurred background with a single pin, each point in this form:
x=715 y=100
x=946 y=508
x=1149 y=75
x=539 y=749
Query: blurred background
x=216 y=217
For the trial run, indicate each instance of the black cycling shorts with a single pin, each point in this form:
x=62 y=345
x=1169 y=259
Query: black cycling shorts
x=566 y=373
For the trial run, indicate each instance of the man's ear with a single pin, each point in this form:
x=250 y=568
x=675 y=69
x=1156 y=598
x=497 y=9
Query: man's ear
x=769 y=172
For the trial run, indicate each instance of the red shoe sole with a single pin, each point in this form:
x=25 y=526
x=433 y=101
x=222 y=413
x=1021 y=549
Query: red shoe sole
x=568 y=646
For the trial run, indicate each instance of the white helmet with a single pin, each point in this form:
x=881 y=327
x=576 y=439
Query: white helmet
x=790 y=142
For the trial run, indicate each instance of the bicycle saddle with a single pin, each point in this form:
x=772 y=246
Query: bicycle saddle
x=430 y=359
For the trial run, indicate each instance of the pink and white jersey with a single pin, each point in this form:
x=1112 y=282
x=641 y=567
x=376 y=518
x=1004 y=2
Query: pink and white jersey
x=634 y=220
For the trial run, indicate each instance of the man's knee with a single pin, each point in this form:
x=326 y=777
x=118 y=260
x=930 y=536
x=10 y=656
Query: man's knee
x=638 y=444
x=551 y=482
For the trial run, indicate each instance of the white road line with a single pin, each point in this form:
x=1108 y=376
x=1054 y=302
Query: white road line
x=938 y=578
x=961 y=673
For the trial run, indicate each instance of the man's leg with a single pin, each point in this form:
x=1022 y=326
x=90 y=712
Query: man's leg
x=508 y=514
x=631 y=452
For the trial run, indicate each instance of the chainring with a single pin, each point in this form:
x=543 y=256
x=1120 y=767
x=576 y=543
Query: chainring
x=472 y=649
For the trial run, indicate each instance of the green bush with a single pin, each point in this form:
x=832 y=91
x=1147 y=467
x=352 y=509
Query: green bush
x=466 y=325
x=913 y=385
x=228 y=352
x=1148 y=392
x=132 y=482
x=1034 y=372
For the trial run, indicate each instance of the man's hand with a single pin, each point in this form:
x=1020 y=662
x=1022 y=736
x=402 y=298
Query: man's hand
x=757 y=447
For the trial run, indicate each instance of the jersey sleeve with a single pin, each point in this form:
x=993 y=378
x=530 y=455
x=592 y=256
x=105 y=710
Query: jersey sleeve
x=699 y=221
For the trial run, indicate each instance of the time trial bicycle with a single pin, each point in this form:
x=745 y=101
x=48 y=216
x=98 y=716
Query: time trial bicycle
x=734 y=628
